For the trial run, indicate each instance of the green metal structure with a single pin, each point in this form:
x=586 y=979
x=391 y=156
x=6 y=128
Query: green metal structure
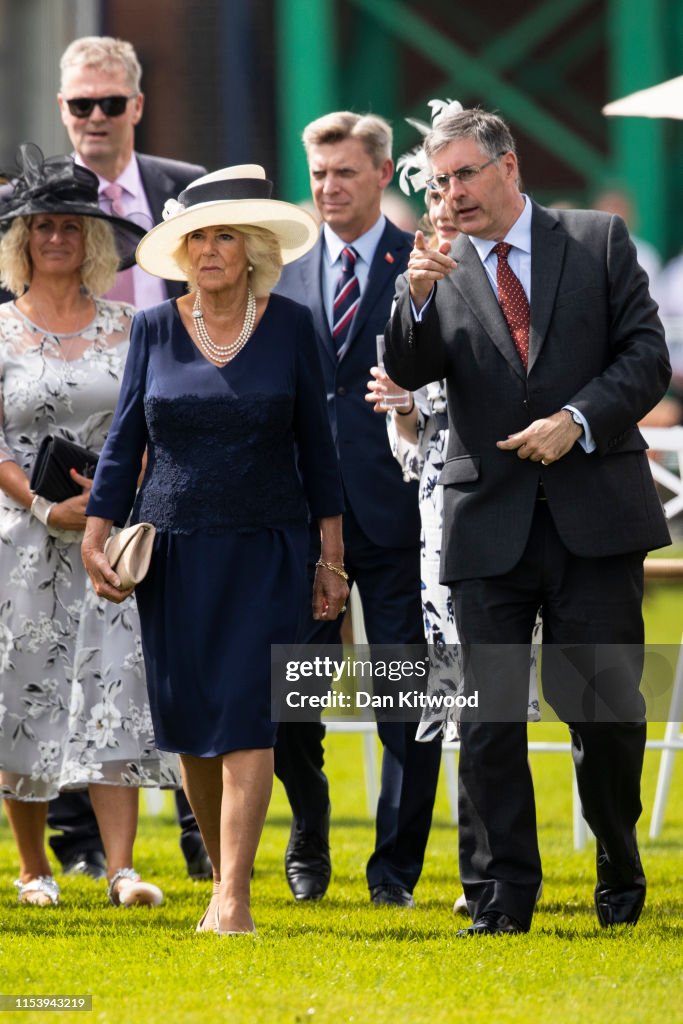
x=336 y=54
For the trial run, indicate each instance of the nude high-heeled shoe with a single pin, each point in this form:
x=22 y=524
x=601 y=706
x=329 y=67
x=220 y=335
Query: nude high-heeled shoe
x=247 y=931
x=200 y=926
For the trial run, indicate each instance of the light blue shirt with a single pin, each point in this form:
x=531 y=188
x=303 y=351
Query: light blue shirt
x=365 y=246
x=519 y=260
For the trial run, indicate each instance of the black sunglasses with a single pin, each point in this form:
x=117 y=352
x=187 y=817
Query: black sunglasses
x=111 y=106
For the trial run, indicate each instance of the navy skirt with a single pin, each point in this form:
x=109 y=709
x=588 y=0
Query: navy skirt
x=210 y=607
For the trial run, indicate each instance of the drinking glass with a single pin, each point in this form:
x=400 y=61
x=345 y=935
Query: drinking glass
x=394 y=397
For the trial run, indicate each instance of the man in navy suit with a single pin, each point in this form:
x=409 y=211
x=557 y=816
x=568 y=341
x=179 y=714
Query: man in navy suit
x=96 y=70
x=350 y=165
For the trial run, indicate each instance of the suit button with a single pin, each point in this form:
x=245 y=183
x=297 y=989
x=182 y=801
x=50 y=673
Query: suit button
x=341 y=391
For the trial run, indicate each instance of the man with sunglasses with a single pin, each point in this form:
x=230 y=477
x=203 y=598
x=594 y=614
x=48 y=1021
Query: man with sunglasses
x=542 y=325
x=101 y=104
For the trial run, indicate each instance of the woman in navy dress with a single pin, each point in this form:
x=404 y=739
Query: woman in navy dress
x=224 y=390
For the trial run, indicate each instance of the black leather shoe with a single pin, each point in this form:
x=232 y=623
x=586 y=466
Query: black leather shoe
x=618 y=906
x=90 y=863
x=492 y=923
x=199 y=866
x=616 y=902
x=307 y=862
x=391 y=896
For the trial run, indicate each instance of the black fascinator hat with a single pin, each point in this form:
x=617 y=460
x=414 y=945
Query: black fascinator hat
x=57 y=184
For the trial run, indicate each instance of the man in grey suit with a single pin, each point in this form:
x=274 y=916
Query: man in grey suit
x=101 y=103
x=552 y=350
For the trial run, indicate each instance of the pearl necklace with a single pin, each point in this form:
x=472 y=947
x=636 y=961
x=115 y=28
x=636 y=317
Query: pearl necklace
x=223 y=353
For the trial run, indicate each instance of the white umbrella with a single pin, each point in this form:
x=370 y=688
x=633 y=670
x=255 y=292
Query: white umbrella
x=664 y=100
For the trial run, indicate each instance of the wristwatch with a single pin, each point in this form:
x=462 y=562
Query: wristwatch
x=575 y=416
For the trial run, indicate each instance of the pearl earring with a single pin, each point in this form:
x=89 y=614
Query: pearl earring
x=249 y=268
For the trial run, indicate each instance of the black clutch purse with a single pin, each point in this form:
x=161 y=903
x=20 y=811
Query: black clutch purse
x=56 y=456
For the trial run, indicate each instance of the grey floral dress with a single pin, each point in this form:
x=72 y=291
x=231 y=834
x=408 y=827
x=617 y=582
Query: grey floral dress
x=423 y=461
x=73 y=699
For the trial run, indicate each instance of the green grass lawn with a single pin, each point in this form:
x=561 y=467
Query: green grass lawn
x=344 y=960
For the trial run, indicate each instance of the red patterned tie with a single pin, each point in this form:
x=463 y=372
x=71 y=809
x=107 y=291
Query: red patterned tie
x=123 y=289
x=346 y=297
x=513 y=302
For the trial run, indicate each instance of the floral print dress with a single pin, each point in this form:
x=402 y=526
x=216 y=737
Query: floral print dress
x=73 y=699
x=423 y=461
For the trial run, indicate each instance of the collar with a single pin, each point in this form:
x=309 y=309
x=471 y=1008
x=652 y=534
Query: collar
x=518 y=236
x=129 y=179
x=365 y=245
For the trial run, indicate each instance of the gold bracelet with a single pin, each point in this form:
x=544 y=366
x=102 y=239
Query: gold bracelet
x=339 y=570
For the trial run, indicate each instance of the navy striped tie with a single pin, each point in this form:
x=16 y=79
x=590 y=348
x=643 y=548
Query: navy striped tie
x=346 y=297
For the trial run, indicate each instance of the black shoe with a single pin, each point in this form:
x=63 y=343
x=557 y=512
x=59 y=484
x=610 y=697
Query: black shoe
x=307 y=862
x=90 y=863
x=617 y=902
x=492 y=923
x=199 y=866
x=391 y=896
x=618 y=906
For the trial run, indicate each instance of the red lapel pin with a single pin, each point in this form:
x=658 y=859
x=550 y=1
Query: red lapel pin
x=388 y=257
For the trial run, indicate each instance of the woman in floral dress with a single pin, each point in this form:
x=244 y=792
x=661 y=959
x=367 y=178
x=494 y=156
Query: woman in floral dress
x=73 y=701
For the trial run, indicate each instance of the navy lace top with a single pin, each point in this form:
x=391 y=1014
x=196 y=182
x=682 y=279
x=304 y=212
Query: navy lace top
x=243 y=446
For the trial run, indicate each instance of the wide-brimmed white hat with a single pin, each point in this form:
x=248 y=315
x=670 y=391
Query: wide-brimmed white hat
x=232 y=196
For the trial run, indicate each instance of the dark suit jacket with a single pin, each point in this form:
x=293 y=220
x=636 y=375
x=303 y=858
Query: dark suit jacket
x=164 y=179
x=596 y=343
x=385 y=506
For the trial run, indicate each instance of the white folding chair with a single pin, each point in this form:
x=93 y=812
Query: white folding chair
x=667 y=439
x=670 y=745
x=368 y=729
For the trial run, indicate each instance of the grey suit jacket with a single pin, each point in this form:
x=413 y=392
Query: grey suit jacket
x=596 y=343
x=164 y=179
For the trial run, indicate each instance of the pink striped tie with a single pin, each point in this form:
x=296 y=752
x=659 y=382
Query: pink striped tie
x=346 y=298
x=123 y=289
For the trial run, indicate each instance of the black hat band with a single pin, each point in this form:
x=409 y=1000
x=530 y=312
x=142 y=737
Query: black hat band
x=231 y=188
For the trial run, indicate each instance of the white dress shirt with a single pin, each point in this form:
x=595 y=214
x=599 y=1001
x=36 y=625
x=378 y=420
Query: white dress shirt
x=519 y=260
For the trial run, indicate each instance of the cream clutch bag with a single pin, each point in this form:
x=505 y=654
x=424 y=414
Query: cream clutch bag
x=129 y=553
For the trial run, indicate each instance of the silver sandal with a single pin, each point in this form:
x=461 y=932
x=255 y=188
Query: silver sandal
x=132 y=890
x=39 y=892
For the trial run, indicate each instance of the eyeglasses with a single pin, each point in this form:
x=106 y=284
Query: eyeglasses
x=111 y=106
x=441 y=182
